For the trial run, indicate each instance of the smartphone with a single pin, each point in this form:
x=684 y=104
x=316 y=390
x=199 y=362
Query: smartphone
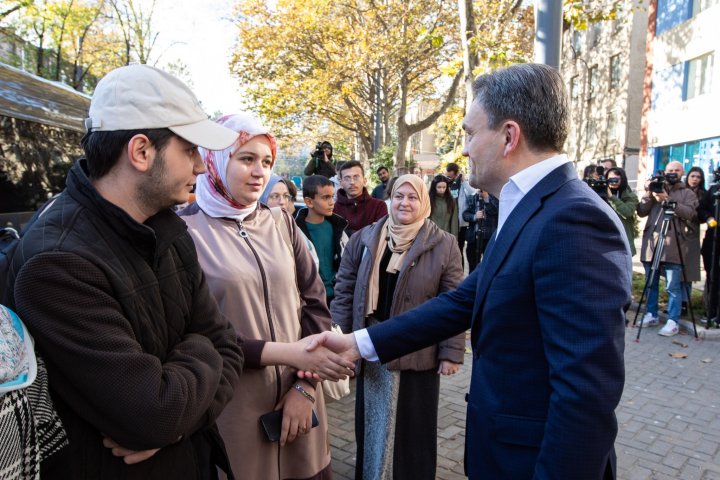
x=271 y=424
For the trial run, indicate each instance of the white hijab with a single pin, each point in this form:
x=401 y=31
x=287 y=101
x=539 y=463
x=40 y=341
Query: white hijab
x=212 y=193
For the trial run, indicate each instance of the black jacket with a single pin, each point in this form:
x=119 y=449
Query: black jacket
x=475 y=203
x=338 y=225
x=134 y=344
x=318 y=166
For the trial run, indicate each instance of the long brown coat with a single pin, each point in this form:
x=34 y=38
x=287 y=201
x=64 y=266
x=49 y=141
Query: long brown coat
x=253 y=280
x=685 y=211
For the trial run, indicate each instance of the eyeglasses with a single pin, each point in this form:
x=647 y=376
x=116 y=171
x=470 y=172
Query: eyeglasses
x=277 y=196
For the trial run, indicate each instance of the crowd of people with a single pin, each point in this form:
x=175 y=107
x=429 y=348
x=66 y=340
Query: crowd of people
x=681 y=200
x=197 y=343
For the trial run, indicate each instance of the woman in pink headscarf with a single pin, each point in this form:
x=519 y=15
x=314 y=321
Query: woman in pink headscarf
x=265 y=282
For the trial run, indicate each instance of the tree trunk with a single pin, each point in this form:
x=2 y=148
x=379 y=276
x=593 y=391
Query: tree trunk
x=467 y=31
x=405 y=130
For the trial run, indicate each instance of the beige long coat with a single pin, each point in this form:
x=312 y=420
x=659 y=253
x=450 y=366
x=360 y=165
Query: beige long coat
x=253 y=280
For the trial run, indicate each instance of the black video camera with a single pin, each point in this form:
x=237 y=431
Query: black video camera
x=657 y=183
x=319 y=152
x=668 y=207
x=600 y=184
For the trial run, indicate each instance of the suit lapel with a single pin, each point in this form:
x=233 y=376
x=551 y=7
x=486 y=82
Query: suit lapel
x=501 y=244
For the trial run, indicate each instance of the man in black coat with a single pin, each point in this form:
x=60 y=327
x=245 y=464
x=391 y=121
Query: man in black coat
x=140 y=361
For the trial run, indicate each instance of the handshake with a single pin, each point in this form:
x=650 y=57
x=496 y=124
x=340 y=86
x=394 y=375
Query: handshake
x=324 y=356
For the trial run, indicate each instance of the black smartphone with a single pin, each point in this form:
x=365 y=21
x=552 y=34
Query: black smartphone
x=271 y=424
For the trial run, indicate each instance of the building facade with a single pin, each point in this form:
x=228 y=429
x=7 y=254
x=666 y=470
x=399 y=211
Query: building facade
x=682 y=95
x=604 y=68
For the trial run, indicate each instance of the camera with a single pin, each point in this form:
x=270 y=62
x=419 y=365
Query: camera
x=668 y=207
x=319 y=152
x=657 y=183
x=600 y=184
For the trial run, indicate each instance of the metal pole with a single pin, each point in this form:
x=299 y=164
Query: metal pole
x=548 y=32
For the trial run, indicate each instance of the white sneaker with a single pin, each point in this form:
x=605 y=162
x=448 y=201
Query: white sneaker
x=670 y=329
x=649 y=320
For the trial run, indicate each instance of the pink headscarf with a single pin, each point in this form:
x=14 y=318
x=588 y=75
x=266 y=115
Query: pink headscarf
x=212 y=193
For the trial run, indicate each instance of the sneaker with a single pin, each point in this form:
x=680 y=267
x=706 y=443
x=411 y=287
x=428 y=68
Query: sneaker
x=649 y=320
x=670 y=329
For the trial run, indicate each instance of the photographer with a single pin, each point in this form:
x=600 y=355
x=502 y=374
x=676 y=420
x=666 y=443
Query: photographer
x=662 y=193
x=594 y=176
x=321 y=161
x=624 y=201
x=481 y=214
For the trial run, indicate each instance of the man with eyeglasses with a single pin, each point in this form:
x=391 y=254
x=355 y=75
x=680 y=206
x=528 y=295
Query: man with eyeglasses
x=354 y=203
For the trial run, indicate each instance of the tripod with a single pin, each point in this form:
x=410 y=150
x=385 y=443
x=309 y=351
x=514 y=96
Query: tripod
x=668 y=212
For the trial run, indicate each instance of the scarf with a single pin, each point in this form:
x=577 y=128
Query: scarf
x=397 y=236
x=212 y=193
x=272 y=181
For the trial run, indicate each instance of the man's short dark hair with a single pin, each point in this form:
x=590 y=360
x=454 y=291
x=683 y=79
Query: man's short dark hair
x=381 y=168
x=348 y=165
x=612 y=161
x=452 y=167
x=531 y=94
x=313 y=183
x=103 y=149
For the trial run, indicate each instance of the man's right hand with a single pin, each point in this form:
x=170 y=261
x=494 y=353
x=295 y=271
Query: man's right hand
x=345 y=345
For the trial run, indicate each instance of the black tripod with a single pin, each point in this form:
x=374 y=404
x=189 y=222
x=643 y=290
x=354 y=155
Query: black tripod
x=713 y=305
x=668 y=212
x=480 y=233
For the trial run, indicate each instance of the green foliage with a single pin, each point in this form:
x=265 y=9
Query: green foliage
x=385 y=157
x=580 y=14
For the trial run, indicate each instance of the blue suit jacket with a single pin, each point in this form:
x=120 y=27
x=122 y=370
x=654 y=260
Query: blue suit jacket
x=546 y=307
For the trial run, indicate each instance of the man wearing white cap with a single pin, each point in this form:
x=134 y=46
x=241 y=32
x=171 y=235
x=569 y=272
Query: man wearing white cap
x=140 y=362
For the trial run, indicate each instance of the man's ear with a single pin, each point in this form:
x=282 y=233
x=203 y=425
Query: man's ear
x=141 y=152
x=308 y=202
x=511 y=130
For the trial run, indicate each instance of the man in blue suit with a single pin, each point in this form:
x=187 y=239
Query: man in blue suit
x=546 y=305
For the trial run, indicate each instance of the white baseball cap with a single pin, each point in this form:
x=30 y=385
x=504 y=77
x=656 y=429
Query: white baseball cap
x=139 y=96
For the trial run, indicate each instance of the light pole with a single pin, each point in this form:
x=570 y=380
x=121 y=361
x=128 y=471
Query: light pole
x=548 y=32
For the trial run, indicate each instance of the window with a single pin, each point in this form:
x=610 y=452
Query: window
x=612 y=126
x=700 y=5
x=591 y=130
x=593 y=81
x=575 y=87
x=577 y=43
x=698 y=76
x=614 y=72
x=594 y=34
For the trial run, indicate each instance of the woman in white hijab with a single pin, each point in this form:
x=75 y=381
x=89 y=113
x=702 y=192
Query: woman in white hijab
x=387 y=268
x=265 y=282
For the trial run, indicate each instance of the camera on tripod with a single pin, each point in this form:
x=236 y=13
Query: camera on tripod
x=668 y=207
x=599 y=184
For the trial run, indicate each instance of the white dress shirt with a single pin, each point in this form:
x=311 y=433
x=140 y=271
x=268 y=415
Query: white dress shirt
x=511 y=195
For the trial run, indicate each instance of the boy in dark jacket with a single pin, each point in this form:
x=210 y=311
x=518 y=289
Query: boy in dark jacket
x=324 y=228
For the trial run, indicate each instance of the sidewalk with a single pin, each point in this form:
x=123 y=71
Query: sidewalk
x=668 y=417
